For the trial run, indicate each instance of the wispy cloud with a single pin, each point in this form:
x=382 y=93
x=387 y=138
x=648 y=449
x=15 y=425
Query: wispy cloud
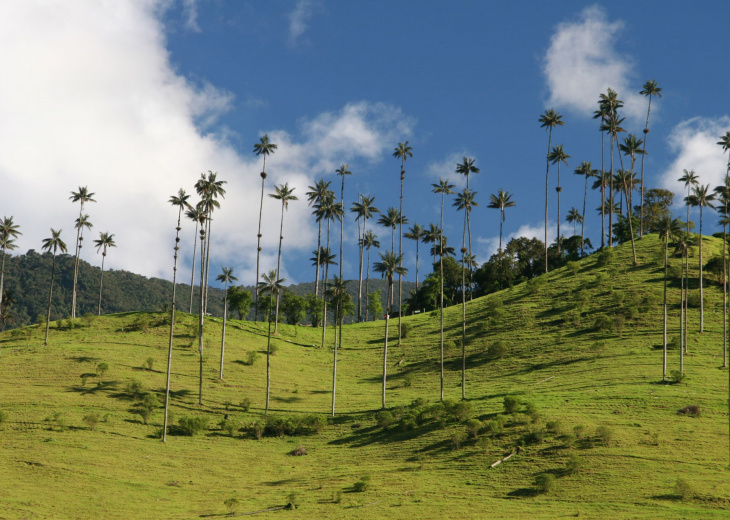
x=582 y=62
x=446 y=169
x=190 y=11
x=299 y=19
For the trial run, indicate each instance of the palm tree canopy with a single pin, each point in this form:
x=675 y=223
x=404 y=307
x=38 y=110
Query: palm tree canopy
x=443 y=186
x=466 y=167
x=325 y=256
x=319 y=192
x=181 y=199
x=632 y=146
x=403 y=152
x=725 y=142
x=586 y=169
x=551 y=119
x=104 y=241
x=343 y=170
x=82 y=196
x=369 y=240
x=558 y=154
x=415 y=233
x=264 y=146
x=83 y=222
x=503 y=199
x=389 y=265
x=226 y=275
x=284 y=193
x=365 y=208
x=210 y=188
x=574 y=215
x=9 y=231
x=54 y=243
x=465 y=200
x=701 y=196
x=270 y=283
x=690 y=178
x=390 y=218
x=651 y=89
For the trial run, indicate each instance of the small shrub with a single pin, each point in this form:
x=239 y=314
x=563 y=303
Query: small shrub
x=683 y=490
x=292 y=501
x=405 y=329
x=472 y=427
x=693 y=300
x=544 y=482
x=604 y=434
x=362 y=485
x=273 y=349
x=536 y=285
x=574 y=464
x=91 y=420
x=496 y=350
x=229 y=427
x=568 y=440
x=133 y=389
x=231 y=504
x=531 y=410
x=572 y=267
x=245 y=404
x=602 y=323
x=258 y=428
x=3 y=416
x=673 y=343
x=493 y=428
x=84 y=377
x=618 y=324
x=251 y=357
x=554 y=427
x=510 y=405
x=692 y=410
x=536 y=436
x=579 y=431
x=458 y=439
x=299 y=451
x=598 y=347
x=677 y=376
x=384 y=418
x=337 y=496
x=408 y=380
x=192 y=425
x=149 y=362
x=605 y=257
x=449 y=345
x=462 y=410
x=102 y=368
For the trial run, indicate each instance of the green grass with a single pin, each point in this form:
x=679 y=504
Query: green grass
x=572 y=374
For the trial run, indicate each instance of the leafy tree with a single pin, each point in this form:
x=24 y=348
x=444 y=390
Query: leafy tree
x=52 y=244
x=293 y=307
x=375 y=307
x=105 y=241
x=285 y=194
x=574 y=217
x=263 y=148
x=272 y=285
x=655 y=209
x=315 y=308
x=82 y=196
x=649 y=90
x=241 y=300
x=549 y=120
x=226 y=277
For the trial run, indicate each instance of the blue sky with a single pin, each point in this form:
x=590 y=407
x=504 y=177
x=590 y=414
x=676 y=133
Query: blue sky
x=136 y=99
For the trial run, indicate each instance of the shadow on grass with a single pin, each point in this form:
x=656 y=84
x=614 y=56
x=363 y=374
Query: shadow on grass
x=101 y=386
x=85 y=359
x=523 y=493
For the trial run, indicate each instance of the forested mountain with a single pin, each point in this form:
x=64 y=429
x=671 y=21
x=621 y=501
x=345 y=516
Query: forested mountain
x=27 y=277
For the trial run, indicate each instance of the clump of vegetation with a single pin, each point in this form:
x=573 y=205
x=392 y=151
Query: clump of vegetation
x=102 y=368
x=231 y=504
x=58 y=420
x=85 y=376
x=228 y=426
x=496 y=350
x=362 y=485
x=280 y=426
x=683 y=490
x=3 y=416
x=146 y=406
x=405 y=329
x=536 y=285
x=91 y=420
x=603 y=323
x=691 y=410
x=457 y=439
x=604 y=434
x=192 y=425
x=251 y=357
x=574 y=464
x=677 y=376
x=605 y=257
x=299 y=451
x=149 y=363
x=133 y=389
x=572 y=267
x=544 y=482
x=511 y=404
x=472 y=427
x=245 y=404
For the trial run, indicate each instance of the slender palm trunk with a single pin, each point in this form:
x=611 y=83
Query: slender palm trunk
x=367 y=287
x=319 y=259
x=192 y=270
x=223 y=337
x=702 y=294
x=583 y=220
x=463 y=311
x=603 y=194
x=686 y=299
x=268 y=358
x=172 y=326
x=559 y=189
x=547 y=191
x=50 y=297
x=362 y=254
x=201 y=314
x=385 y=349
x=441 y=283
x=334 y=364
x=76 y=263
x=2 y=279
x=418 y=239
x=101 y=280
x=610 y=202
x=724 y=292
x=631 y=225
x=666 y=259
x=643 y=154
x=681 y=319
x=324 y=288
x=258 y=242
x=278 y=269
x=400 y=252
x=207 y=267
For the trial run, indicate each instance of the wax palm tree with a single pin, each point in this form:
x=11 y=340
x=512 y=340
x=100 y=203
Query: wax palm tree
x=9 y=231
x=416 y=234
x=369 y=240
x=389 y=265
x=625 y=180
x=549 y=120
x=82 y=197
x=194 y=213
x=690 y=179
x=263 y=148
x=556 y=156
x=465 y=168
x=315 y=196
x=202 y=218
x=337 y=292
x=81 y=223
x=602 y=114
x=225 y=278
x=649 y=90
x=612 y=125
x=285 y=194
x=181 y=201
x=342 y=171
x=209 y=188
x=402 y=152
x=722 y=193
x=682 y=244
x=668 y=228
x=442 y=248
x=431 y=233
x=331 y=210
x=364 y=209
x=725 y=143
x=574 y=217
x=464 y=202
x=52 y=245
x=272 y=285
x=104 y=242
x=500 y=201
x=586 y=170
x=701 y=197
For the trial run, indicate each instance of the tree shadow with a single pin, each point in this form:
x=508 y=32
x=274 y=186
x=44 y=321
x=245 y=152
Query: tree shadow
x=85 y=359
x=523 y=493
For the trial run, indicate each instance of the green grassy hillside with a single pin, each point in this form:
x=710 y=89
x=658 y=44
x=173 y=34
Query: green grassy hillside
x=595 y=433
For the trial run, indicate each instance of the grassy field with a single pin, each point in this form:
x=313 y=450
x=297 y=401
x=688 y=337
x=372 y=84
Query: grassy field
x=596 y=433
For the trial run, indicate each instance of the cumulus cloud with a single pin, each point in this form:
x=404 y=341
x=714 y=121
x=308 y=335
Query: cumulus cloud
x=582 y=63
x=90 y=99
x=446 y=169
x=298 y=19
x=488 y=246
x=693 y=142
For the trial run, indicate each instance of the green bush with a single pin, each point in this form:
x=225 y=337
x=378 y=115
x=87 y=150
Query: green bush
x=258 y=428
x=245 y=404
x=572 y=267
x=536 y=285
x=133 y=389
x=472 y=427
x=91 y=420
x=231 y=504
x=692 y=410
x=510 y=405
x=102 y=368
x=384 y=418
x=405 y=329
x=193 y=425
x=496 y=350
x=602 y=323
x=677 y=376
x=605 y=257
x=149 y=363
x=362 y=485
x=604 y=434
x=683 y=490
x=251 y=357
x=544 y=482
x=574 y=464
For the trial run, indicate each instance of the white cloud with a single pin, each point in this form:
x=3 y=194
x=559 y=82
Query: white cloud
x=90 y=99
x=190 y=10
x=298 y=19
x=582 y=63
x=446 y=169
x=488 y=246
x=693 y=142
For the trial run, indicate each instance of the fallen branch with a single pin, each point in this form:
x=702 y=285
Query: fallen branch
x=548 y=379
x=500 y=461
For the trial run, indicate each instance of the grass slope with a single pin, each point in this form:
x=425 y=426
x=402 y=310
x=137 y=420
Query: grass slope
x=599 y=421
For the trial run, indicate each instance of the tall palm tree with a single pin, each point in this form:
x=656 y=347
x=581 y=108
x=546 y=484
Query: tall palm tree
x=225 y=278
x=315 y=197
x=82 y=196
x=390 y=219
x=625 y=180
x=9 y=231
x=285 y=194
x=104 y=242
x=194 y=213
x=389 y=265
x=574 y=217
x=337 y=291
x=181 y=201
x=81 y=223
x=723 y=196
x=209 y=188
x=263 y=148
x=602 y=114
x=443 y=188
x=272 y=285
x=202 y=217
x=364 y=209
x=432 y=232
x=331 y=210
x=610 y=103
x=586 y=170
x=369 y=240
x=402 y=152
x=464 y=201
x=682 y=245
x=690 y=179
x=416 y=234
x=668 y=227
x=500 y=201
x=725 y=143
x=701 y=197
x=465 y=168
x=631 y=147
x=52 y=244
x=342 y=171
x=556 y=156
x=649 y=90
x=549 y=120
